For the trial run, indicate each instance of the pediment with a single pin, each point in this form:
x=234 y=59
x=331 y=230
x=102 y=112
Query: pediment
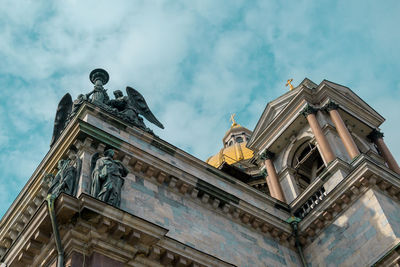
x=280 y=112
x=275 y=107
x=348 y=99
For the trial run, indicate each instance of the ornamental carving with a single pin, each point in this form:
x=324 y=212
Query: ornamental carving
x=308 y=110
x=331 y=106
x=375 y=134
x=267 y=155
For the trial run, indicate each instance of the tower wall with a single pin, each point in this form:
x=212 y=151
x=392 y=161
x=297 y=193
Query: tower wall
x=360 y=236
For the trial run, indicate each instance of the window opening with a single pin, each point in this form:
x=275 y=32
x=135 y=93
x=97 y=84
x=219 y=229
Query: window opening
x=308 y=165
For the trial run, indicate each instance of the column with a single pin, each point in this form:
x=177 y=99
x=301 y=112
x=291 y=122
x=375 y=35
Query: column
x=377 y=137
x=342 y=130
x=272 y=178
x=325 y=149
x=85 y=152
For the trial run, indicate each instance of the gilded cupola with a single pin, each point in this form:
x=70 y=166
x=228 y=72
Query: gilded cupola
x=234 y=151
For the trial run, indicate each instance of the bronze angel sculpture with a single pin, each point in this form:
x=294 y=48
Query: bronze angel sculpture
x=127 y=108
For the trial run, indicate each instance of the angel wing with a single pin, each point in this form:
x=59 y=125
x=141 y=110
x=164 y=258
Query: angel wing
x=138 y=102
x=63 y=110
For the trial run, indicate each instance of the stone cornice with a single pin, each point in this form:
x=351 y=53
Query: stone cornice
x=134 y=240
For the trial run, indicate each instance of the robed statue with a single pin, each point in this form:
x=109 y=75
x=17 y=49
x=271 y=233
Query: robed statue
x=128 y=108
x=66 y=178
x=107 y=178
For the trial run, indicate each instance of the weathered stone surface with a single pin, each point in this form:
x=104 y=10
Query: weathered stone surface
x=360 y=235
x=199 y=227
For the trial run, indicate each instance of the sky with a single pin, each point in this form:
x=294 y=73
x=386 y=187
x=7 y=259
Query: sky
x=195 y=62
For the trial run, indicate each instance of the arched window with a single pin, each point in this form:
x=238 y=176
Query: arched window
x=239 y=139
x=308 y=164
x=230 y=143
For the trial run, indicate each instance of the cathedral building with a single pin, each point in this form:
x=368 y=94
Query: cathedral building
x=313 y=184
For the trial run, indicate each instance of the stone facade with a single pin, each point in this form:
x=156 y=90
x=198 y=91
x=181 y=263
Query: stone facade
x=176 y=210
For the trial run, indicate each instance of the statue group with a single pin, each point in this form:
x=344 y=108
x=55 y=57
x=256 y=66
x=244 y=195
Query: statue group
x=127 y=108
x=107 y=178
x=107 y=175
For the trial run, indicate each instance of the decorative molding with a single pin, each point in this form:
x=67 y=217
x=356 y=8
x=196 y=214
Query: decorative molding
x=331 y=106
x=267 y=155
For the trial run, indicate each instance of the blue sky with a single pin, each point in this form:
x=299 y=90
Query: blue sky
x=196 y=62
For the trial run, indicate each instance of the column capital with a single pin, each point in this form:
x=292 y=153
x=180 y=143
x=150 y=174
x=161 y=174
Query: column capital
x=308 y=110
x=375 y=134
x=266 y=155
x=331 y=106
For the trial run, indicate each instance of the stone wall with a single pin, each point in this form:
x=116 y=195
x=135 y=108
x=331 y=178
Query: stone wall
x=201 y=228
x=360 y=236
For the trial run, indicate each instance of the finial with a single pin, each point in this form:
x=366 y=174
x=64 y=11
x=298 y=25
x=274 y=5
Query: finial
x=288 y=83
x=99 y=75
x=233 y=120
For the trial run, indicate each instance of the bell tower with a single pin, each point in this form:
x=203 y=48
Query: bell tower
x=323 y=154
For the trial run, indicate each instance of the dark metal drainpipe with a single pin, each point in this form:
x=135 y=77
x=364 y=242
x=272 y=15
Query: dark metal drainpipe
x=294 y=221
x=50 y=205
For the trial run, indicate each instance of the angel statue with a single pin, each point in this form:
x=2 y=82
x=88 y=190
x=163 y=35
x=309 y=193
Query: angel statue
x=127 y=107
x=131 y=106
x=107 y=178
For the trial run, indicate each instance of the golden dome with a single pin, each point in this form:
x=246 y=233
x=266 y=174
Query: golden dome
x=231 y=155
x=235 y=150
